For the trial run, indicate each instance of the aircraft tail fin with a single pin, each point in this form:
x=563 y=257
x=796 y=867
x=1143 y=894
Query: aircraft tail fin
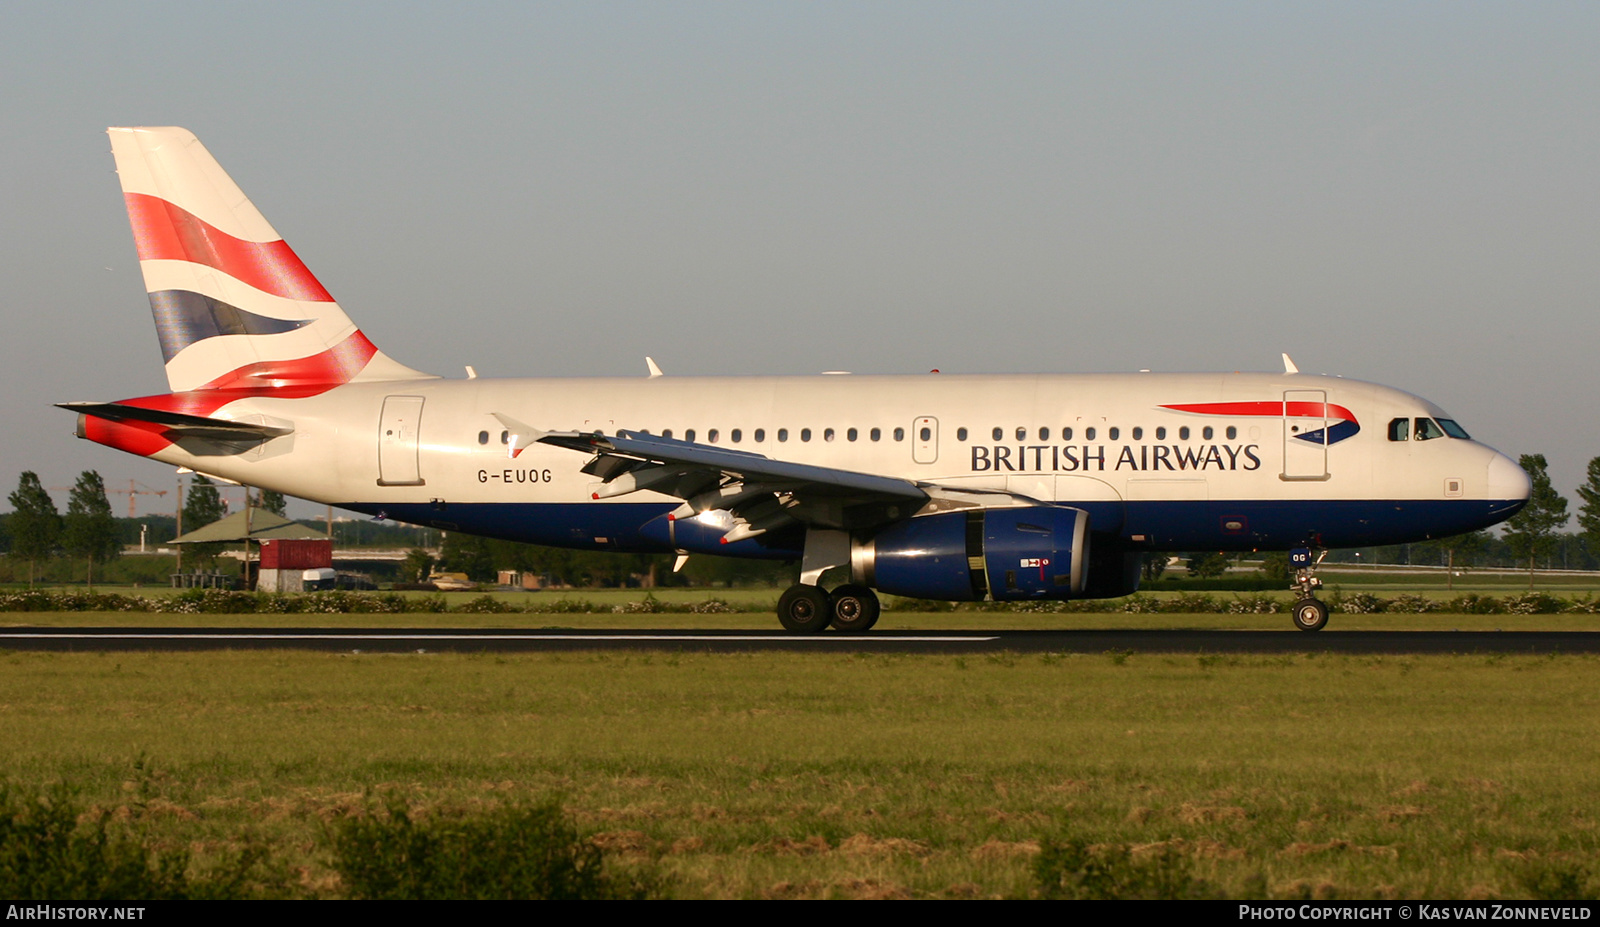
x=234 y=306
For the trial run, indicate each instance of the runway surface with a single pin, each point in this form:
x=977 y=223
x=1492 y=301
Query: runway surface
x=477 y=640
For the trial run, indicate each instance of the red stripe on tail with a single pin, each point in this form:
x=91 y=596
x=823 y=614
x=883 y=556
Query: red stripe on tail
x=165 y=232
x=302 y=376
x=291 y=379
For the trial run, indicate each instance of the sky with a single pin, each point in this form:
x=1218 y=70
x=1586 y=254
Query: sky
x=1404 y=193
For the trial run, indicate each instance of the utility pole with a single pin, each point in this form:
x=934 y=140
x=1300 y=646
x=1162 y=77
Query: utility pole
x=179 y=547
x=249 y=511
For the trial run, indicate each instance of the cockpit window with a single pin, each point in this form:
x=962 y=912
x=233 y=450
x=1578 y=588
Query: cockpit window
x=1399 y=429
x=1454 y=430
x=1427 y=430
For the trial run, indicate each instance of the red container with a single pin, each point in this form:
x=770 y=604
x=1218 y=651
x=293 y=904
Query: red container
x=296 y=554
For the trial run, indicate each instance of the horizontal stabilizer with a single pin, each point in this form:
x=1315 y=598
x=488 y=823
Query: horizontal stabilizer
x=179 y=423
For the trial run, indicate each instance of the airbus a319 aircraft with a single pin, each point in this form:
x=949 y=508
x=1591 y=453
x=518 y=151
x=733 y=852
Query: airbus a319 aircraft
x=954 y=487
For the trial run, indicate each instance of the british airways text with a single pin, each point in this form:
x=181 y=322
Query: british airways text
x=1069 y=457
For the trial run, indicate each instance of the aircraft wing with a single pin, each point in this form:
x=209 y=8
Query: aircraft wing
x=760 y=492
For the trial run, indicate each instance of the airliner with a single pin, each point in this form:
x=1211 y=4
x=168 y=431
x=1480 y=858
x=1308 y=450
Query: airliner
x=1013 y=487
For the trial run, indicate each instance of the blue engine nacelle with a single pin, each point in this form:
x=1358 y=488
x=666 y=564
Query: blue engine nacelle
x=1026 y=552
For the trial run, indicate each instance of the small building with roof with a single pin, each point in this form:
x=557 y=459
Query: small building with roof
x=294 y=557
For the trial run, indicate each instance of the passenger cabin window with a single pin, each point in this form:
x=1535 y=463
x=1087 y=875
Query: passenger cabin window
x=1066 y=433
x=805 y=434
x=1206 y=433
x=827 y=434
x=736 y=435
x=1232 y=432
x=1183 y=433
x=850 y=435
x=999 y=435
x=1088 y=433
x=761 y=435
x=1399 y=429
x=1044 y=434
x=689 y=436
x=711 y=436
x=961 y=434
x=899 y=434
x=1138 y=433
x=483 y=437
x=505 y=437
x=1161 y=432
x=1427 y=430
x=666 y=432
x=876 y=434
x=783 y=434
x=1115 y=432
x=1022 y=434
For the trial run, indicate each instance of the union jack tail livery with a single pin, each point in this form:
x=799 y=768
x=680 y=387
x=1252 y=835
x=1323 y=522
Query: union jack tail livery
x=234 y=307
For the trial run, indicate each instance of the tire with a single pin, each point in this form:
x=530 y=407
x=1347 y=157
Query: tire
x=855 y=609
x=804 y=609
x=1310 y=615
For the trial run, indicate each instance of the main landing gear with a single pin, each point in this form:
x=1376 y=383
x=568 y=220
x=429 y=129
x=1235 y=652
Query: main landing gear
x=808 y=609
x=1310 y=614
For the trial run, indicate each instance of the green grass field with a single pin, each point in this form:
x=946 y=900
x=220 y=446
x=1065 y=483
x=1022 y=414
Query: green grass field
x=794 y=775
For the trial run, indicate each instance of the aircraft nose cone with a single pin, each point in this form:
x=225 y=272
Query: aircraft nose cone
x=1508 y=482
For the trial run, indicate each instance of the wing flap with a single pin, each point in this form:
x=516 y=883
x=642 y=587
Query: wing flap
x=760 y=493
x=740 y=465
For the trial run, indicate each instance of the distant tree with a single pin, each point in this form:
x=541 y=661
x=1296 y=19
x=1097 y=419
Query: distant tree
x=417 y=565
x=1275 y=566
x=202 y=506
x=1589 y=512
x=469 y=554
x=35 y=524
x=273 y=501
x=1531 y=532
x=89 y=530
x=1153 y=565
x=734 y=571
x=1208 y=566
x=1461 y=549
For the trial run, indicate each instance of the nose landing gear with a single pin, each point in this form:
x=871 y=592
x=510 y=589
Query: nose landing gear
x=1310 y=614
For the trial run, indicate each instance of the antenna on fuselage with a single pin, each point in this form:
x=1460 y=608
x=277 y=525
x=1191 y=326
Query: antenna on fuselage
x=654 y=370
x=1288 y=365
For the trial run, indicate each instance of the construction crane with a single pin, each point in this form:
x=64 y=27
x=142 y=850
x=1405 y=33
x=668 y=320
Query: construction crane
x=132 y=492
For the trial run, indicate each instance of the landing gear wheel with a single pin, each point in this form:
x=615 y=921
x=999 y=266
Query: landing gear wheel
x=855 y=608
x=804 y=609
x=1310 y=615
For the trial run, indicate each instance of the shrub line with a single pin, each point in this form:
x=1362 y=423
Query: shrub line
x=226 y=602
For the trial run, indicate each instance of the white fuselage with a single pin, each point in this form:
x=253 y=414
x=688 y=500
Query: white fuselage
x=1232 y=475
